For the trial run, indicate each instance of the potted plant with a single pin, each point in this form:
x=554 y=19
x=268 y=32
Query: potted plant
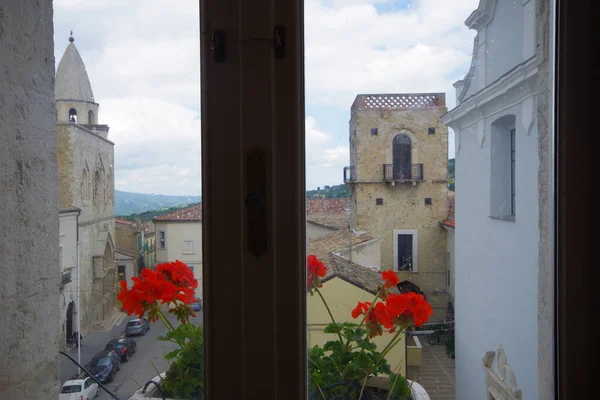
x=172 y=284
x=349 y=365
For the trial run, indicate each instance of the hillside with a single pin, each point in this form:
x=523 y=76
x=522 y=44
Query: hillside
x=127 y=203
x=329 y=192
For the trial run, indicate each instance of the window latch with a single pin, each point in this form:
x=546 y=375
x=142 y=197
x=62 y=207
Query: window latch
x=279 y=42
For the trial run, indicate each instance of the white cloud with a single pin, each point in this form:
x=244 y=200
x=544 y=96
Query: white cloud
x=143 y=61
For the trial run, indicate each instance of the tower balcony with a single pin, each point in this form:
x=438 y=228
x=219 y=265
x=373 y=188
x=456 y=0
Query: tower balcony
x=401 y=173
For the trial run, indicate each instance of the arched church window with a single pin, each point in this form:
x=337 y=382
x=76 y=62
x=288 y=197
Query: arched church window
x=84 y=184
x=96 y=185
x=91 y=118
x=402 y=156
x=72 y=115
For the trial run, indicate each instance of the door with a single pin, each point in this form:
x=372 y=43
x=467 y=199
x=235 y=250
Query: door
x=402 y=156
x=69 y=322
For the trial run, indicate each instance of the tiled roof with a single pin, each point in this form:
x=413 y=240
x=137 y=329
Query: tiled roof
x=449 y=223
x=324 y=246
x=328 y=212
x=190 y=214
x=124 y=221
x=365 y=278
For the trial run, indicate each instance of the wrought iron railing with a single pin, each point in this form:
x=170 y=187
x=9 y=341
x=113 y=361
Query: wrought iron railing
x=402 y=173
x=349 y=174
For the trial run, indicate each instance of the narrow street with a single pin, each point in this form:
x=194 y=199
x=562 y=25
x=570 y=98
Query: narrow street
x=141 y=366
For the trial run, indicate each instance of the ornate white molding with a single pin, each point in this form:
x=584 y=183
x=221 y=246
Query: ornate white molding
x=501 y=384
x=482 y=16
x=528 y=116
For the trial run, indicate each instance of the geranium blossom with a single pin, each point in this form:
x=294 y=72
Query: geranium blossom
x=390 y=278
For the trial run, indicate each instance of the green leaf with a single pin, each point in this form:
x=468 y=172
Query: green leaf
x=333 y=328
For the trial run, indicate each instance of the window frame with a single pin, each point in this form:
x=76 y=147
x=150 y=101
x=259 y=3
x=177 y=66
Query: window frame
x=415 y=248
x=162 y=241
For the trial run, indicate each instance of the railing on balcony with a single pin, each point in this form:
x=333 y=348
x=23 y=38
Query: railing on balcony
x=393 y=173
x=349 y=174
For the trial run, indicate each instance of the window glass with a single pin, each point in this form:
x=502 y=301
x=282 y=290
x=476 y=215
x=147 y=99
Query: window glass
x=423 y=134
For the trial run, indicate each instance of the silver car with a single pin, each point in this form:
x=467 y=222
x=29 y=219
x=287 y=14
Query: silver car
x=137 y=326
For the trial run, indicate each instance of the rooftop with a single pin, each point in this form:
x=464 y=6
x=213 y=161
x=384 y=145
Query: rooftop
x=365 y=278
x=399 y=101
x=189 y=214
x=324 y=246
x=72 y=82
x=328 y=213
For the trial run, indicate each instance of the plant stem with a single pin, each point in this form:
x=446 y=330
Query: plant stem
x=165 y=321
x=364 y=317
x=330 y=314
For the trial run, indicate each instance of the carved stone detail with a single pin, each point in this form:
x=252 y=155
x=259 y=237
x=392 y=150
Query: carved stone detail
x=501 y=384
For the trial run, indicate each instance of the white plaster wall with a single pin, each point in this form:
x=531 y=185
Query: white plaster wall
x=496 y=279
x=29 y=266
x=367 y=254
x=450 y=240
x=314 y=230
x=177 y=233
x=504 y=39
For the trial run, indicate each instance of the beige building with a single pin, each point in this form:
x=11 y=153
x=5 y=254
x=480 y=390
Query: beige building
x=86 y=181
x=179 y=237
x=398 y=179
x=149 y=249
x=346 y=284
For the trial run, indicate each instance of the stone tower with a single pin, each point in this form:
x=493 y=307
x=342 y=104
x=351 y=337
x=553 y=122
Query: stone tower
x=73 y=92
x=399 y=183
x=86 y=183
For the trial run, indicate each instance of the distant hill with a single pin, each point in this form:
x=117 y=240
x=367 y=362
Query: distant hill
x=127 y=203
x=329 y=192
x=148 y=215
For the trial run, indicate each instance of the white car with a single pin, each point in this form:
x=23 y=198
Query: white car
x=79 y=389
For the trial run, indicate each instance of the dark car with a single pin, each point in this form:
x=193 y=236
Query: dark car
x=124 y=347
x=197 y=305
x=104 y=365
x=138 y=326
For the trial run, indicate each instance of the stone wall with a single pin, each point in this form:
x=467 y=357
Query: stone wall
x=404 y=203
x=29 y=262
x=92 y=192
x=126 y=238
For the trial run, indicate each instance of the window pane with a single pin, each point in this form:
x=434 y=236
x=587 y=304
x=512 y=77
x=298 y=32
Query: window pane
x=128 y=136
x=453 y=90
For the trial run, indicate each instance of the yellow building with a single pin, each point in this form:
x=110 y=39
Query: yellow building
x=346 y=284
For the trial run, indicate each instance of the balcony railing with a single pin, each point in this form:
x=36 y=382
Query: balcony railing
x=401 y=173
x=349 y=174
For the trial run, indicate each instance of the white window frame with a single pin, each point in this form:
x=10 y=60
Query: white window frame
x=415 y=247
x=162 y=242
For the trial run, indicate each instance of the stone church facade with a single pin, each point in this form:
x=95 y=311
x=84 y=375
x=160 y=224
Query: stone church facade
x=86 y=182
x=398 y=178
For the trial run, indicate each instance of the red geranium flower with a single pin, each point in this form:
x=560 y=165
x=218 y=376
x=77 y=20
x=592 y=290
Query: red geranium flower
x=315 y=270
x=390 y=278
x=360 y=309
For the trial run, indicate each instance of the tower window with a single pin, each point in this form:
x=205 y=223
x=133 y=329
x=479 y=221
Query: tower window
x=379 y=201
x=427 y=201
x=91 y=118
x=374 y=132
x=72 y=115
x=431 y=131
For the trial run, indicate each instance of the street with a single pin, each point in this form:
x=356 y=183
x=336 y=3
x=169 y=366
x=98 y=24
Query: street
x=141 y=367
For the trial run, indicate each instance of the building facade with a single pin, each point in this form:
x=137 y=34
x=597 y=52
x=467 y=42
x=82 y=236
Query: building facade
x=398 y=183
x=179 y=237
x=498 y=239
x=86 y=181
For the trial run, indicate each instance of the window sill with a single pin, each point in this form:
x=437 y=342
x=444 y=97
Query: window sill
x=504 y=217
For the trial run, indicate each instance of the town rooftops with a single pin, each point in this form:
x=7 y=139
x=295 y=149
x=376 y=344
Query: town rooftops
x=324 y=246
x=399 y=101
x=124 y=221
x=362 y=277
x=189 y=214
x=449 y=222
x=328 y=213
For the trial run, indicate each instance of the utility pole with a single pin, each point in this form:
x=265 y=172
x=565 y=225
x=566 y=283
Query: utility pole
x=77 y=340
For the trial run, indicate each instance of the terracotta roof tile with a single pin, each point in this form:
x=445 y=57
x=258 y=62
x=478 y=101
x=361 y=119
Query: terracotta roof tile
x=449 y=223
x=328 y=213
x=366 y=278
x=124 y=221
x=191 y=214
x=324 y=246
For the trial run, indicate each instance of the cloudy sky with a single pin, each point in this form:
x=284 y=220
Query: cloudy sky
x=142 y=58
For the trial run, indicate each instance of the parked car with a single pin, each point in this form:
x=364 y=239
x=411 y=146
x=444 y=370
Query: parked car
x=123 y=346
x=78 y=389
x=197 y=305
x=104 y=365
x=138 y=326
